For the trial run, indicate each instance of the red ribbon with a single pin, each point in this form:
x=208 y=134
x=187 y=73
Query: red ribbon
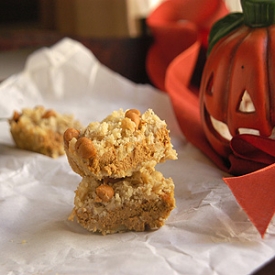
x=254 y=148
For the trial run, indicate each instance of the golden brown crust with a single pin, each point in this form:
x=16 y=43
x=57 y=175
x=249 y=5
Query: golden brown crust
x=40 y=130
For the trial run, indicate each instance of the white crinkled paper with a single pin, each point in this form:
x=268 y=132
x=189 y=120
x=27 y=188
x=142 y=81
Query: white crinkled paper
x=206 y=234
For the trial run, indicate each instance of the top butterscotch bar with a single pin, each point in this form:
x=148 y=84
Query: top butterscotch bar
x=120 y=145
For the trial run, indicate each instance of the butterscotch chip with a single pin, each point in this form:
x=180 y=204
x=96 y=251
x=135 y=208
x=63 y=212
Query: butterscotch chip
x=105 y=192
x=85 y=148
x=69 y=134
x=130 y=111
x=40 y=130
x=141 y=202
x=15 y=116
x=122 y=148
x=134 y=115
x=49 y=113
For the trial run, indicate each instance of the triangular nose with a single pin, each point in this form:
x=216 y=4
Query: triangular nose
x=246 y=104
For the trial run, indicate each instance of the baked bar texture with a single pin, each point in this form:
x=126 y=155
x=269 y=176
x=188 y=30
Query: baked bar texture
x=41 y=130
x=119 y=145
x=137 y=203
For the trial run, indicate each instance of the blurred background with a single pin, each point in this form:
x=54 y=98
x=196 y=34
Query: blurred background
x=97 y=18
x=114 y=30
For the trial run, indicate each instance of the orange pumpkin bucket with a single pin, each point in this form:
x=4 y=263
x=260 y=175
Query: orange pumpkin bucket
x=237 y=94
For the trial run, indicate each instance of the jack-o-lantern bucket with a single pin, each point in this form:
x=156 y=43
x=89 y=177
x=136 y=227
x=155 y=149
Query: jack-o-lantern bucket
x=237 y=92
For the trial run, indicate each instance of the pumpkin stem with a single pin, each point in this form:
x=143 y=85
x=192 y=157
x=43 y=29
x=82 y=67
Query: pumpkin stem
x=223 y=27
x=258 y=13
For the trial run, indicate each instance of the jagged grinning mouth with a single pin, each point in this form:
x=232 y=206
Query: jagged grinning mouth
x=246 y=106
x=223 y=130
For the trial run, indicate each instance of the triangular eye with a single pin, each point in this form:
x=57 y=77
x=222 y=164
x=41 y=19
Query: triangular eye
x=246 y=104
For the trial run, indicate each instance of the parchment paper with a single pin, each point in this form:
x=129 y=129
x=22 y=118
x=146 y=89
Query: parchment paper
x=207 y=233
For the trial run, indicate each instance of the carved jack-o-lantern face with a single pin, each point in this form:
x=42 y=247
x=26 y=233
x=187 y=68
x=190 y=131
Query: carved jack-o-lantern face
x=238 y=86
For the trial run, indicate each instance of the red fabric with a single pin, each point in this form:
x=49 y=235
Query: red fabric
x=175 y=24
x=255 y=194
x=255 y=148
x=180 y=28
